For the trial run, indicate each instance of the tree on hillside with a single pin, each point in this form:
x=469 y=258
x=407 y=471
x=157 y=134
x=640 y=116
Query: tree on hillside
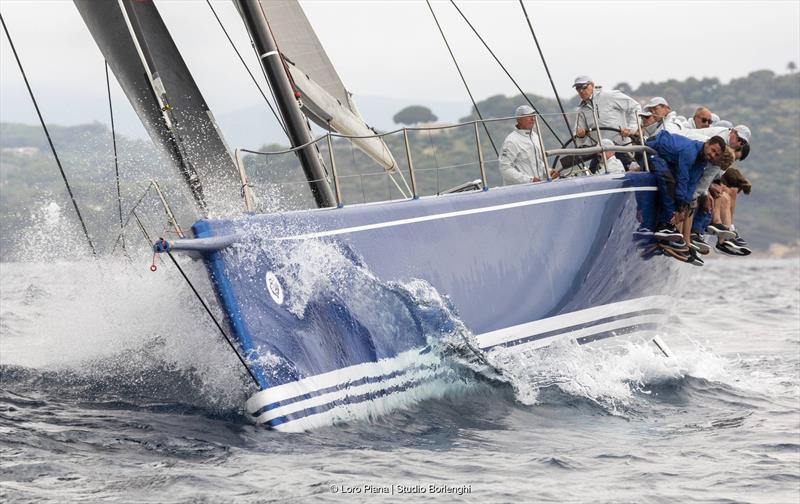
x=413 y=115
x=791 y=66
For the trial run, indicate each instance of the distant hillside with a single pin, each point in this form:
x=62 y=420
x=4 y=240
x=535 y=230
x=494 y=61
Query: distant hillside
x=768 y=103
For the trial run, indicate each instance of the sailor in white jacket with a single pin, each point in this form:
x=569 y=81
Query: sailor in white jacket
x=670 y=120
x=520 y=157
x=614 y=109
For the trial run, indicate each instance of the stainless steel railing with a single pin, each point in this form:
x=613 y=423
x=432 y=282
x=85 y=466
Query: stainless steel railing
x=413 y=188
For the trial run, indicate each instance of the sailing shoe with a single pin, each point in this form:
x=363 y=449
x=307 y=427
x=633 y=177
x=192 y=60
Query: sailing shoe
x=699 y=244
x=668 y=233
x=643 y=233
x=727 y=249
x=723 y=232
x=694 y=259
x=738 y=240
x=741 y=249
x=676 y=254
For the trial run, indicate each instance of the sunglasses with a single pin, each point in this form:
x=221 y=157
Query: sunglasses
x=704 y=120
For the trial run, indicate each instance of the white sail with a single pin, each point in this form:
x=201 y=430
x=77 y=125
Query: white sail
x=323 y=95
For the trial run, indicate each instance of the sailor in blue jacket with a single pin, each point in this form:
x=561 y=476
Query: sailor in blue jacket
x=679 y=165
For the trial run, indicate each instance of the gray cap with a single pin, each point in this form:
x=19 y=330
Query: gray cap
x=523 y=110
x=655 y=101
x=581 y=80
x=743 y=132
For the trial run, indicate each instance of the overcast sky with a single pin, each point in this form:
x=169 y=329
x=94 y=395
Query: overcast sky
x=392 y=48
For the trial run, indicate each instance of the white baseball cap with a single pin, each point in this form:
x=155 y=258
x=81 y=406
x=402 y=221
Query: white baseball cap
x=645 y=113
x=743 y=132
x=581 y=80
x=523 y=110
x=607 y=144
x=655 y=101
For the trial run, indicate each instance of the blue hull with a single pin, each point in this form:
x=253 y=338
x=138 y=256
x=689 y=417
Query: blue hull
x=338 y=308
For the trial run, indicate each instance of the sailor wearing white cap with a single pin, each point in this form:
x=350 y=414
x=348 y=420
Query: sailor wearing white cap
x=735 y=137
x=520 y=157
x=614 y=109
x=670 y=120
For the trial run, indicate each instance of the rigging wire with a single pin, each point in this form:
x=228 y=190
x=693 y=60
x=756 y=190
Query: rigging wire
x=116 y=162
x=216 y=322
x=49 y=140
x=546 y=69
x=274 y=112
x=455 y=62
x=143 y=229
x=505 y=70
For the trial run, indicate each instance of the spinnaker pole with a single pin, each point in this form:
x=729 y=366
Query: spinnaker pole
x=272 y=62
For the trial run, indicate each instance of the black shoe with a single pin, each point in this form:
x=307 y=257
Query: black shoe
x=643 y=234
x=727 y=249
x=699 y=244
x=675 y=254
x=694 y=259
x=668 y=233
x=738 y=240
x=722 y=232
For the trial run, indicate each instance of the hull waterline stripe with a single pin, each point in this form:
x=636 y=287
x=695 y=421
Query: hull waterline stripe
x=459 y=213
x=299 y=420
x=577 y=327
x=264 y=403
x=348 y=385
x=421 y=357
x=559 y=322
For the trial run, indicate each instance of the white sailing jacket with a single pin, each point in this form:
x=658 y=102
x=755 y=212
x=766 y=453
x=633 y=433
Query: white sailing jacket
x=615 y=109
x=521 y=158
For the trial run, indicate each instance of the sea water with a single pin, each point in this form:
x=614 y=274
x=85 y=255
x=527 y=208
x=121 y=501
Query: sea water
x=116 y=387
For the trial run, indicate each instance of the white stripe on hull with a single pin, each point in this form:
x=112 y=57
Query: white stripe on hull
x=405 y=363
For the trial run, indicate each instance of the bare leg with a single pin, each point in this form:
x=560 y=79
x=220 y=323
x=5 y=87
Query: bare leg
x=726 y=214
x=686 y=228
x=732 y=193
x=716 y=211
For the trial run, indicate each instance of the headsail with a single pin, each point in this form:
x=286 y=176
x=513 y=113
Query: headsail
x=147 y=64
x=324 y=98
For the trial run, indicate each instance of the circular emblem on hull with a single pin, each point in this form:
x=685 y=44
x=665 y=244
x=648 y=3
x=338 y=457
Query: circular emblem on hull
x=274 y=287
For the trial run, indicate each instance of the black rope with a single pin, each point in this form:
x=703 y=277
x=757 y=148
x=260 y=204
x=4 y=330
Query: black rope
x=455 y=62
x=216 y=322
x=49 y=140
x=274 y=113
x=116 y=163
x=546 y=69
x=505 y=70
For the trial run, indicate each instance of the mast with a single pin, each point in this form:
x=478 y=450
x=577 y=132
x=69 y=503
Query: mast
x=272 y=63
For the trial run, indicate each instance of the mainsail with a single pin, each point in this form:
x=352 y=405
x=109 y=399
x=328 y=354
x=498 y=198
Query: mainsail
x=324 y=98
x=147 y=64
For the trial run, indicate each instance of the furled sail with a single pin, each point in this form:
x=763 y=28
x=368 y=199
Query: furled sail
x=147 y=64
x=324 y=98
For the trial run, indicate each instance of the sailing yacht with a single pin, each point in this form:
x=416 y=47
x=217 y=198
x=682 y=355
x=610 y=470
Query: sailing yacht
x=338 y=311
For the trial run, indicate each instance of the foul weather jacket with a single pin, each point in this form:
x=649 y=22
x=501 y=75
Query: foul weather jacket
x=685 y=158
x=615 y=110
x=521 y=158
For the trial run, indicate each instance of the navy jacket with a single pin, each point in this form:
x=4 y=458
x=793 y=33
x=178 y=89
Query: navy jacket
x=683 y=156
